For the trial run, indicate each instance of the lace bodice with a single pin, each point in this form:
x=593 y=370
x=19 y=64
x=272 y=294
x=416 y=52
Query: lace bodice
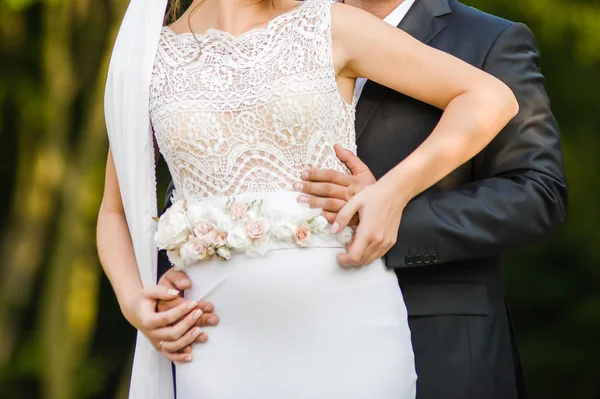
x=249 y=113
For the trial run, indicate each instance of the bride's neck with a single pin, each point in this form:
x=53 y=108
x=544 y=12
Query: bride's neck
x=235 y=16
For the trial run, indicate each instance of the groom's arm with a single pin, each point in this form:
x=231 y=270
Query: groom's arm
x=520 y=193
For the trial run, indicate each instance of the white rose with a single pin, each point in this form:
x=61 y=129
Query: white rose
x=345 y=236
x=175 y=260
x=284 y=230
x=224 y=222
x=238 y=239
x=318 y=224
x=252 y=214
x=173 y=228
x=224 y=253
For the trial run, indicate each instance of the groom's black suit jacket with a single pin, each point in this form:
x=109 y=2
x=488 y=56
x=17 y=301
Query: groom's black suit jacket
x=448 y=256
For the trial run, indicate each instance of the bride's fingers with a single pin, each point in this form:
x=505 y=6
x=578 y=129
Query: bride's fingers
x=187 y=339
x=174 y=332
x=163 y=319
x=345 y=215
x=157 y=292
x=354 y=251
x=177 y=357
x=379 y=246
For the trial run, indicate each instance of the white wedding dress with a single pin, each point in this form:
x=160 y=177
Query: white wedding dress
x=243 y=117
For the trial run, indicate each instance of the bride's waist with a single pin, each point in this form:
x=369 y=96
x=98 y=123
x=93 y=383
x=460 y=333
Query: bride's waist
x=277 y=216
x=196 y=230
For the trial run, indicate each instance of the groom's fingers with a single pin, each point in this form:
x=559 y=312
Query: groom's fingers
x=176 y=279
x=327 y=190
x=352 y=161
x=207 y=320
x=327 y=176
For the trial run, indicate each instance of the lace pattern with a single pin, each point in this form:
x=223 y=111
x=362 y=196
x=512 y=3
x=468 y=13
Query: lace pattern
x=250 y=113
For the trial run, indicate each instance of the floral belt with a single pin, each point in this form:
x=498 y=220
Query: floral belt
x=195 y=231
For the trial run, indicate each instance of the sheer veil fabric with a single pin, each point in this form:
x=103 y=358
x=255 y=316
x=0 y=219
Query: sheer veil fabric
x=128 y=125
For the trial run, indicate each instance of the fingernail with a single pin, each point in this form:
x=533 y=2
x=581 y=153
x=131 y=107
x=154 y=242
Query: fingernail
x=207 y=308
x=181 y=282
x=303 y=199
x=298 y=186
x=192 y=305
x=188 y=359
x=203 y=338
x=171 y=291
x=334 y=227
x=197 y=314
x=212 y=321
x=304 y=175
x=196 y=333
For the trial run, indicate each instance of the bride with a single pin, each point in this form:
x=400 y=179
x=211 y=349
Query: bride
x=240 y=98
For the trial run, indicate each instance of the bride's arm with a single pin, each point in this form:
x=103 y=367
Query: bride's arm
x=476 y=107
x=138 y=305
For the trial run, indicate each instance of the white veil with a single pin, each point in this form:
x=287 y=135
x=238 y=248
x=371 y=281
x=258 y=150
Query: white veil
x=128 y=124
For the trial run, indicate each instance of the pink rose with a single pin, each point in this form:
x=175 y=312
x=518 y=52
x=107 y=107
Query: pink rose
x=193 y=251
x=238 y=210
x=208 y=238
x=203 y=227
x=220 y=239
x=302 y=236
x=257 y=229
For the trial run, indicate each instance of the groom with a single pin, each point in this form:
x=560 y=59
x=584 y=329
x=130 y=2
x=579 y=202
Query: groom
x=448 y=256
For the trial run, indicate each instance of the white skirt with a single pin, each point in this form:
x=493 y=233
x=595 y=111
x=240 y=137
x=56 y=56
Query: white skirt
x=294 y=324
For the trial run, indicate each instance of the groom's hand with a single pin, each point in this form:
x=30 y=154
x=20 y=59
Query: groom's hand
x=330 y=190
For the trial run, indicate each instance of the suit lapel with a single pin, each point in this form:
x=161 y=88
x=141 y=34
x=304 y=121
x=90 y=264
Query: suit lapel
x=420 y=22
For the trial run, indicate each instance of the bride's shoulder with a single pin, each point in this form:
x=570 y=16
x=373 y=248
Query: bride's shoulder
x=344 y=16
x=348 y=21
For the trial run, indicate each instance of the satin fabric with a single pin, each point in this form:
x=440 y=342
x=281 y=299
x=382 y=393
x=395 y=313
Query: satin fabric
x=128 y=127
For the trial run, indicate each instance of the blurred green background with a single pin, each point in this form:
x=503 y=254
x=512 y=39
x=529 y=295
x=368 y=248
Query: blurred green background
x=62 y=335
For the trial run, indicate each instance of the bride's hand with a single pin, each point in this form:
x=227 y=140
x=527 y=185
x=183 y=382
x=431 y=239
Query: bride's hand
x=159 y=327
x=379 y=208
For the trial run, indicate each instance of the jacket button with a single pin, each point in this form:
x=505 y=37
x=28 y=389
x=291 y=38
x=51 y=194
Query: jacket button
x=434 y=258
x=427 y=259
x=409 y=260
x=418 y=259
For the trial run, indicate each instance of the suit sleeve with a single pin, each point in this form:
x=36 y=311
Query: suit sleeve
x=164 y=264
x=518 y=195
